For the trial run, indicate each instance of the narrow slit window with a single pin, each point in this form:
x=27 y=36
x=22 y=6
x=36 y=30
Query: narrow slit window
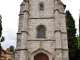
x=41 y=7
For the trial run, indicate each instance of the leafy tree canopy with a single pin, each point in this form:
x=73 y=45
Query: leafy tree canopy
x=10 y=49
x=1 y=37
x=78 y=38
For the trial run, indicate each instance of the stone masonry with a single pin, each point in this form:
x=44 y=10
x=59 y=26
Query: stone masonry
x=55 y=44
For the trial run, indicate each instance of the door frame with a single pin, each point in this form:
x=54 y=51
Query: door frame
x=37 y=52
x=41 y=56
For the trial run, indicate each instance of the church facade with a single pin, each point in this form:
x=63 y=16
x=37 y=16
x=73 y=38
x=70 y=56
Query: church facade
x=42 y=31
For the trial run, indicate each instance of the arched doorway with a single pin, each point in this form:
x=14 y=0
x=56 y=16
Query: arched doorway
x=41 y=56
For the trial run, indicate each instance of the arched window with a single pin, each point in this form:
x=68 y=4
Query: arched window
x=41 y=31
x=41 y=6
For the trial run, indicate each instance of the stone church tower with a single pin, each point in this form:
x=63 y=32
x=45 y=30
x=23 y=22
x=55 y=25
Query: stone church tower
x=42 y=31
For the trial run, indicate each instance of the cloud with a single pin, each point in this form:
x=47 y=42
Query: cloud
x=67 y=2
x=10 y=38
x=73 y=6
x=10 y=34
x=7 y=43
x=9 y=9
x=75 y=13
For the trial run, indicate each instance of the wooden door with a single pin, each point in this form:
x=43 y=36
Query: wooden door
x=41 y=56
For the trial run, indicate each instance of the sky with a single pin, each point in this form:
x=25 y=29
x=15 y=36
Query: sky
x=9 y=9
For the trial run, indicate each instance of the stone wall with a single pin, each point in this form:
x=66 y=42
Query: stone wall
x=55 y=44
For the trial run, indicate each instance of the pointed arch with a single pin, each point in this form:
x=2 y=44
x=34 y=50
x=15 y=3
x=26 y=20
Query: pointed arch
x=41 y=50
x=41 y=56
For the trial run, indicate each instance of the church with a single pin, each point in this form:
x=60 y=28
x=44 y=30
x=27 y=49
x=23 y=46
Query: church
x=42 y=31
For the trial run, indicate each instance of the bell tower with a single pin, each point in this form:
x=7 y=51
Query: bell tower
x=42 y=31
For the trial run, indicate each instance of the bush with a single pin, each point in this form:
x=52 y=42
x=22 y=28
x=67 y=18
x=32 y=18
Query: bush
x=9 y=59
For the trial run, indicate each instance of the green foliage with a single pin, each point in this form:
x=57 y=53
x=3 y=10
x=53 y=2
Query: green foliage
x=78 y=52
x=0 y=27
x=9 y=59
x=78 y=38
x=10 y=49
x=71 y=33
x=2 y=39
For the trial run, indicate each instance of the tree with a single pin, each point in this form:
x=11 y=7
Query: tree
x=9 y=59
x=78 y=38
x=1 y=37
x=10 y=49
x=78 y=52
x=71 y=33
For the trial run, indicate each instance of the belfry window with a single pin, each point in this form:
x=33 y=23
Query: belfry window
x=41 y=31
x=41 y=7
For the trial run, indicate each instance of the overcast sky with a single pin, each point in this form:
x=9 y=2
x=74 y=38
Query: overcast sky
x=9 y=9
